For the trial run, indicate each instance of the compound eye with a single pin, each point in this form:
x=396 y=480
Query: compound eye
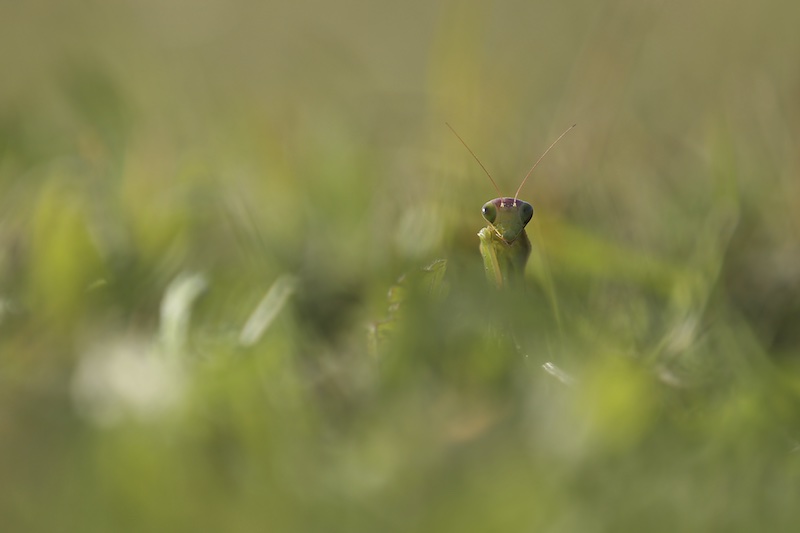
x=489 y=212
x=526 y=213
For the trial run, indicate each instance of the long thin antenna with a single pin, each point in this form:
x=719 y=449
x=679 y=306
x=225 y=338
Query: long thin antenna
x=538 y=160
x=499 y=194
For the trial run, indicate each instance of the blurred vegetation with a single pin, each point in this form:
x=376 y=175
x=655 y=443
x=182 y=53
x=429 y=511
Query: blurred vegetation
x=204 y=204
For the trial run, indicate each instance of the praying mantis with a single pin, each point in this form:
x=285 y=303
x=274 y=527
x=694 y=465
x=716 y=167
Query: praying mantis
x=504 y=243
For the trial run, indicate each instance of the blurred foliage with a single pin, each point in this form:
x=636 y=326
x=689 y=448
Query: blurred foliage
x=204 y=204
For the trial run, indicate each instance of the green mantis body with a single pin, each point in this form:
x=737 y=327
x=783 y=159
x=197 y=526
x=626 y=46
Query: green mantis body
x=504 y=244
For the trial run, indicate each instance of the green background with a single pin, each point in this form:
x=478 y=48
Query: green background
x=163 y=164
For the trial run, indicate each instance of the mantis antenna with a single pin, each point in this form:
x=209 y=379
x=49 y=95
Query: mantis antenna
x=499 y=194
x=537 y=161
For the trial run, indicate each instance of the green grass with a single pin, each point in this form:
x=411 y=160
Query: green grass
x=173 y=175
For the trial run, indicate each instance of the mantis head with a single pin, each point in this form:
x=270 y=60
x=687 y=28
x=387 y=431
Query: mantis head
x=507 y=216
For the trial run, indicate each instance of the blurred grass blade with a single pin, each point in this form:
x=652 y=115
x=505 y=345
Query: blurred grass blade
x=557 y=373
x=176 y=310
x=266 y=311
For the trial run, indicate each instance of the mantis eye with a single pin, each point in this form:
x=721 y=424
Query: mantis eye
x=526 y=212
x=489 y=212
